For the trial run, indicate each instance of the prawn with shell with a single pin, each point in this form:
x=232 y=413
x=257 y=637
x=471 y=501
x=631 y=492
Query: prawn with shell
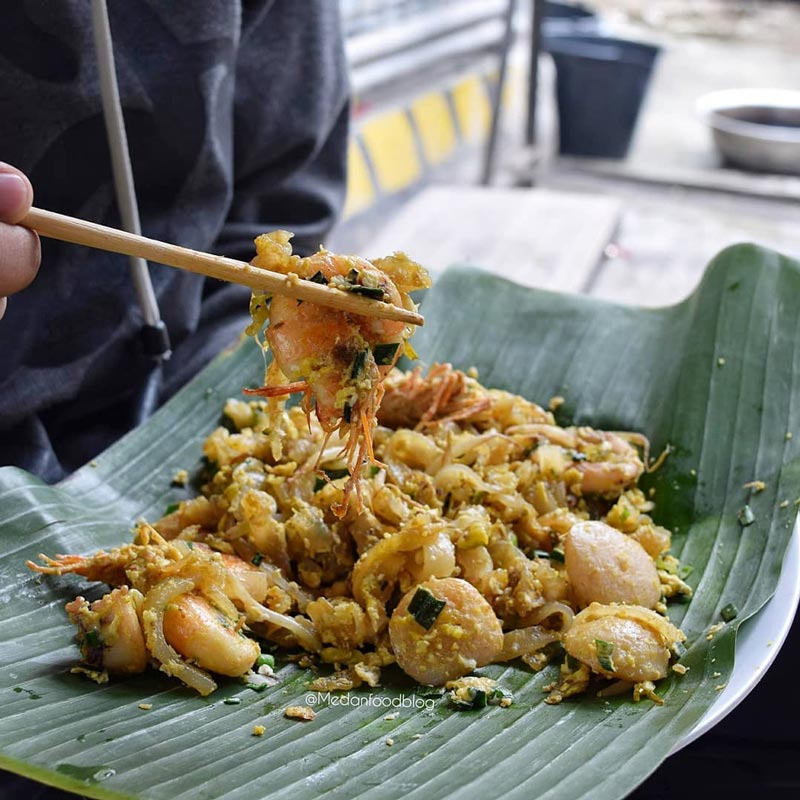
x=337 y=360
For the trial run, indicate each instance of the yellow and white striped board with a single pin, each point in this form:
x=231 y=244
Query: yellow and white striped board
x=395 y=148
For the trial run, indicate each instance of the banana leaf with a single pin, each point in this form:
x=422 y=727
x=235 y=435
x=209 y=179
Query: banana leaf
x=715 y=377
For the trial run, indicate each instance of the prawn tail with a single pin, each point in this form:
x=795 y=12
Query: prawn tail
x=278 y=391
x=370 y=453
x=60 y=565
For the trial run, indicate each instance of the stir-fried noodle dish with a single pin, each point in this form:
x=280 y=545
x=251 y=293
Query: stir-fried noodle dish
x=414 y=518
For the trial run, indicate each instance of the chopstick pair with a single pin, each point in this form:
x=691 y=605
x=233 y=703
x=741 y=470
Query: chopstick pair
x=100 y=237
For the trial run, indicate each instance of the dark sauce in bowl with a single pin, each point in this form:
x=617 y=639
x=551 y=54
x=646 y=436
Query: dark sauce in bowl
x=771 y=116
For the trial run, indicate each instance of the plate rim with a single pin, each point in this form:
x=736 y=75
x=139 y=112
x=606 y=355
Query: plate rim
x=768 y=628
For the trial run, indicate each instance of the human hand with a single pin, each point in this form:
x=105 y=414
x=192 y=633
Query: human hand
x=19 y=247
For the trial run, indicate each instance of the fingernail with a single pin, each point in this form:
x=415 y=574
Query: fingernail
x=13 y=193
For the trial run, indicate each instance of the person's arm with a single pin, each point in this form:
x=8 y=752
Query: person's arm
x=19 y=247
x=290 y=130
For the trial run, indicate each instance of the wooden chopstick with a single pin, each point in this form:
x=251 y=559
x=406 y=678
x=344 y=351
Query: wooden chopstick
x=78 y=231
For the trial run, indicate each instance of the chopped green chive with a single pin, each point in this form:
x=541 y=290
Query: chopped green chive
x=685 y=571
x=478 y=698
x=729 y=612
x=318 y=277
x=92 y=638
x=385 y=353
x=358 y=364
x=468 y=699
x=425 y=607
x=352 y=276
x=373 y=470
x=605 y=650
x=448 y=500
x=473 y=697
x=265 y=659
x=746 y=516
x=375 y=292
x=232 y=701
x=171 y=508
x=257 y=559
x=572 y=663
x=498 y=695
x=666 y=565
x=541 y=554
x=557 y=554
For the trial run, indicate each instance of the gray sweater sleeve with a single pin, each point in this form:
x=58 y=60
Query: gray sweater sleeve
x=289 y=145
x=236 y=115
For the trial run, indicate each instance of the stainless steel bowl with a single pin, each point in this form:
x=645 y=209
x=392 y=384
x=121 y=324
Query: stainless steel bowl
x=757 y=129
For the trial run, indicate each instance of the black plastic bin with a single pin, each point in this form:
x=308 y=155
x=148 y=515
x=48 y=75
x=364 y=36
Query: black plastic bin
x=561 y=19
x=569 y=11
x=600 y=86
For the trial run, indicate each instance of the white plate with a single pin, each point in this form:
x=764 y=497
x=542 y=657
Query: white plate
x=758 y=642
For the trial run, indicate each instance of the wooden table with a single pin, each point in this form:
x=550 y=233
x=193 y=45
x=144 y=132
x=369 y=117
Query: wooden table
x=643 y=245
x=536 y=237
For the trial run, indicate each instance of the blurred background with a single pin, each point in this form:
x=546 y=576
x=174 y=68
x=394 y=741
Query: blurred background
x=619 y=111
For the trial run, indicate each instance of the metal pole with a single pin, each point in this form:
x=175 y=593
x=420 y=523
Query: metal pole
x=537 y=12
x=497 y=99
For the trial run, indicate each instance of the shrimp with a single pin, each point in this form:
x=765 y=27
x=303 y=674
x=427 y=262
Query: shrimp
x=223 y=579
x=380 y=569
x=149 y=559
x=336 y=359
x=110 y=631
x=446 y=634
x=205 y=636
x=119 y=633
x=635 y=641
x=606 y=566
x=434 y=560
x=444 y=394
x=606 y=461
x=132 y=564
